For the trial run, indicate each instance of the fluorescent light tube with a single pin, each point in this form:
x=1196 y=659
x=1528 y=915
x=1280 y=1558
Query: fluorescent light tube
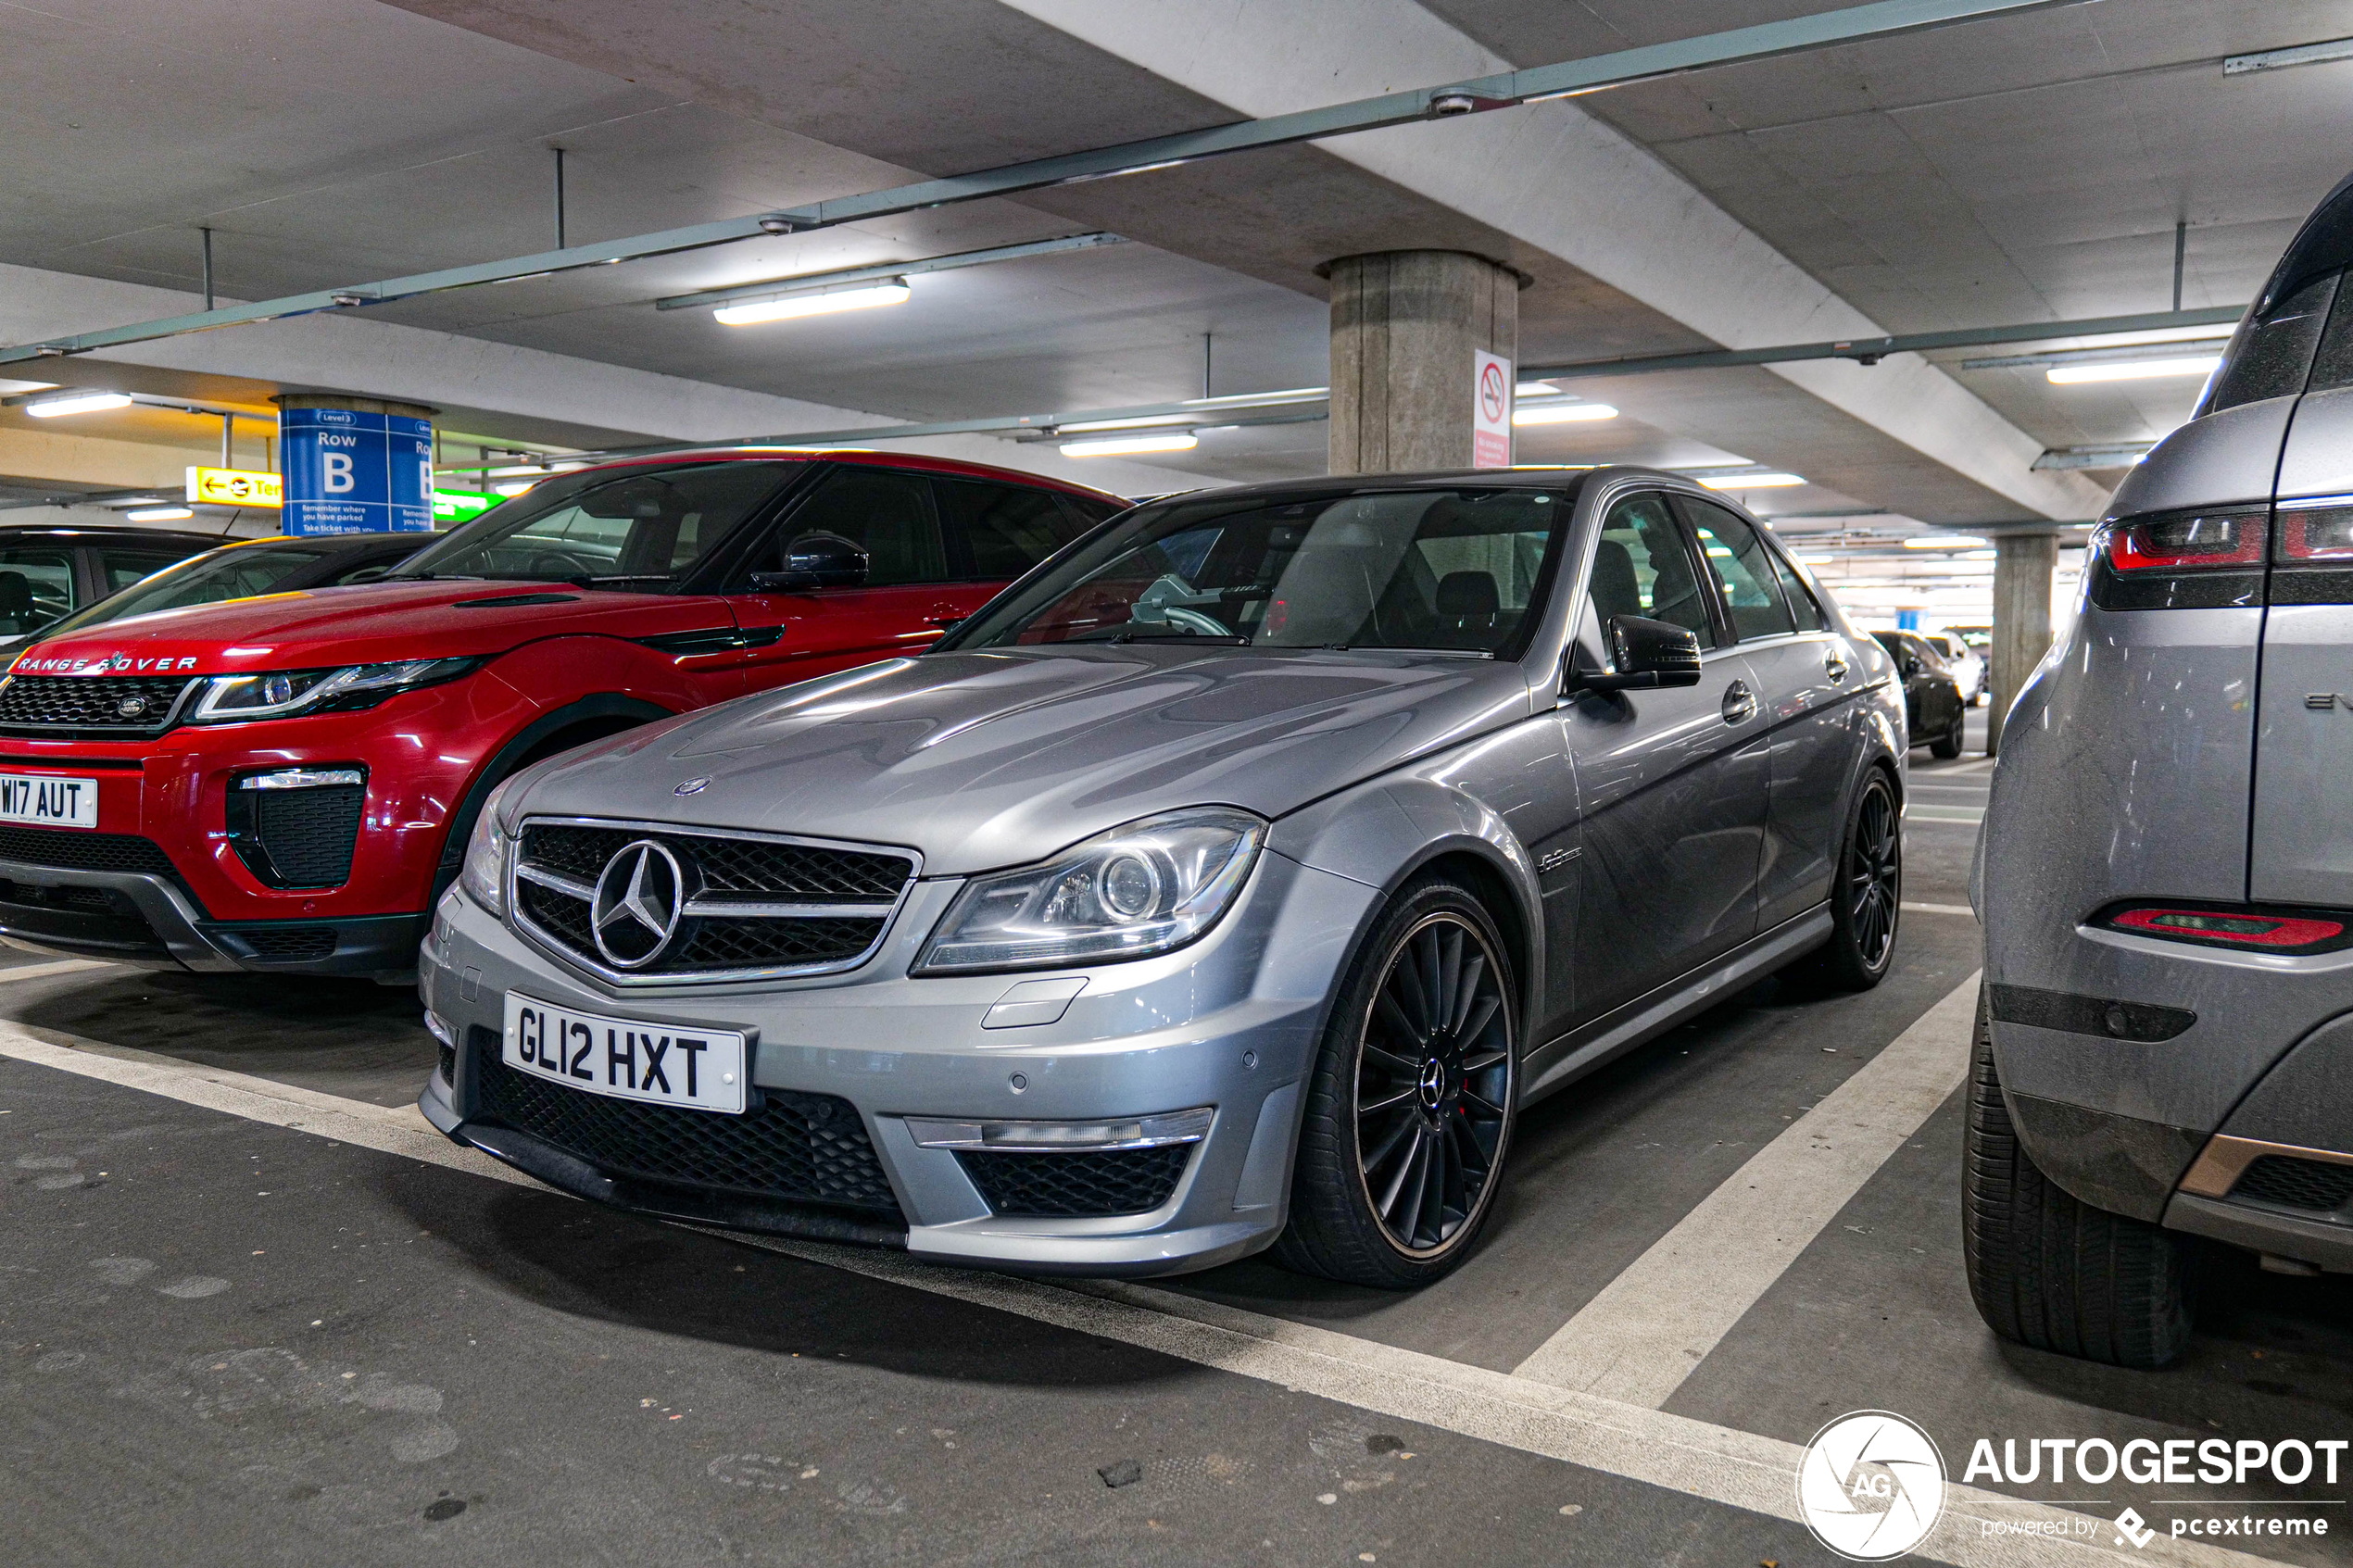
x=80 y=403
x=1535 y=389
x=1561 y=413
x=1749 y=480
x=2134 y=370
x=159 y=514
x=818 y=302
x=1138 y=422
x=1121 y=445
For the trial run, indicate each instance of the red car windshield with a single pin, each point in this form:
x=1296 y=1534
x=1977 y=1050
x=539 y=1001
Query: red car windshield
x=642 y=529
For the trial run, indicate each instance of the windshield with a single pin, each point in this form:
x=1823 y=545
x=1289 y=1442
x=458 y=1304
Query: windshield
x=1457 y=570
x=215 y=577
x=636 y=529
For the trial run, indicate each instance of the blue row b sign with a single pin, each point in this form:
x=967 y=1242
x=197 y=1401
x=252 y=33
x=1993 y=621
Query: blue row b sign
x=353 y=472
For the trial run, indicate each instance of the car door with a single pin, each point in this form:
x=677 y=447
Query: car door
x=910 y=595
x=1673 y=783
x=995 y=533
x=1805 y=679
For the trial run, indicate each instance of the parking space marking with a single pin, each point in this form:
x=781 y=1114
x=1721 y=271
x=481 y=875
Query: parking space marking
x=1643 y=1336
x=43 y=971
x=1918 y=813
x=1717 y=1464
x=1941 y=909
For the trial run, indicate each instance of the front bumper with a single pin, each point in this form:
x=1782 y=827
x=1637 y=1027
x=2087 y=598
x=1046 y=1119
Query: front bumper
x=1231 y=1022
x=142 y=917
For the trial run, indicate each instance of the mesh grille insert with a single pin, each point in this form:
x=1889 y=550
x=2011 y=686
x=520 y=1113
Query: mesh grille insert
x=308 y=835
x=76 y=849
x=1118 y=1181
x=808 y=1149
x=2297 y=1183
x=91 y=702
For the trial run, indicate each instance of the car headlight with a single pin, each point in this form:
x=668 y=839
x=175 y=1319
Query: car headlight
x=230 y=700
x=1129 y=893
x=484 y=874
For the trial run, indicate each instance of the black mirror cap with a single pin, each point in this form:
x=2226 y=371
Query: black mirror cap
x=1649 y=655
x=815 y=560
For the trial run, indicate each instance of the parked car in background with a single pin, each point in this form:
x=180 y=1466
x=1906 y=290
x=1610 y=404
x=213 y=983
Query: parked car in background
x=283 y=783
x=2165 y=1041
x=1230 y=882
x=248 y=568
x=1966 y=665
x=48 y=573
x=1934 y=705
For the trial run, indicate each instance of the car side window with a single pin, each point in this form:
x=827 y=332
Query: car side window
x=2271 y=358
x=1802 y=607
x=1643 y=566
x=1004 y=529
x=1744 y=571
x=125 y=567
x=36 y=586
x=886 y=514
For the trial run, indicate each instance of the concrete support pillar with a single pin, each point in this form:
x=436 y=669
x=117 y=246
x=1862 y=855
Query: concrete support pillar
x=1404 y=326
x=2024 y=565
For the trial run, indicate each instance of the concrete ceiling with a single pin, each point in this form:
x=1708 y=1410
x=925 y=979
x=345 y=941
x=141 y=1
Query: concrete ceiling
x=2026 y=167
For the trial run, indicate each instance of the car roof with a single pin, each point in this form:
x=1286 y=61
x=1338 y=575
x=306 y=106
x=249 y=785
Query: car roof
x=952 y=466
x=13 y=535
x=415 y=540
x=1531 y=477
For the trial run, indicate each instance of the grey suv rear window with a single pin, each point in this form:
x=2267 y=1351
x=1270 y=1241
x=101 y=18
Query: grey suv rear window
x=2270 y=356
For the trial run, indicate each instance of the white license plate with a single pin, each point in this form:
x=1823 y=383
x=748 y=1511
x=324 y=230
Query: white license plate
x=51 y=801
x=658 y=1063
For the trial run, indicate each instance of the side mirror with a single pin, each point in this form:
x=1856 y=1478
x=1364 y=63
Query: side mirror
x=1912 y=665
x=815 y=560
x=1649 y=655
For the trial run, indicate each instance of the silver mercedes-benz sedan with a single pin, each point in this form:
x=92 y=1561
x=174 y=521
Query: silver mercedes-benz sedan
x=1230 y=881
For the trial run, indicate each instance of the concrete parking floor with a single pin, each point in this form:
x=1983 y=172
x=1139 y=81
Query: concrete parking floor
x=254 y=1313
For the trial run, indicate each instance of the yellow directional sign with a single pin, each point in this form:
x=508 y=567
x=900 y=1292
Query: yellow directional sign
x=234 y=487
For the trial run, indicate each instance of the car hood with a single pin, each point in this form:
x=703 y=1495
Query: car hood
x=994 y=758
x=367 y=623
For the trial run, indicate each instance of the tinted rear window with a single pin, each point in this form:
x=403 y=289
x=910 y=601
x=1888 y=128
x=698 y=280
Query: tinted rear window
x=2269 y=355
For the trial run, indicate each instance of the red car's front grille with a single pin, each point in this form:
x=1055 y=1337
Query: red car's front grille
x=124 y=705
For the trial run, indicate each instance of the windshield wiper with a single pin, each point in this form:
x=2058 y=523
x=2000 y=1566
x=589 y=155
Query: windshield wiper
x=1230 y=639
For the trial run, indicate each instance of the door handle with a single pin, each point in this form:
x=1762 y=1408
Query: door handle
x=1740 y=703
x=1835 y=666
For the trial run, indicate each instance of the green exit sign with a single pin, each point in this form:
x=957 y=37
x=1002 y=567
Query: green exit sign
x=450 y=507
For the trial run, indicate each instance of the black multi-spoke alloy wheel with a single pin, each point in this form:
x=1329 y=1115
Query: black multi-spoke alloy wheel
x=1866 y=894
x=1409 y=1111
x=1947 y=745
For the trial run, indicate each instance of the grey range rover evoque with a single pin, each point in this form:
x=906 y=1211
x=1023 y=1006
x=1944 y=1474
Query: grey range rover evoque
x=2165 y=872
x=1230 y=881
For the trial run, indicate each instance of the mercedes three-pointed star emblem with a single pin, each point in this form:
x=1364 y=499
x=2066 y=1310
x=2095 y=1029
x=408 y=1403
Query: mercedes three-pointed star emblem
x=640 y=895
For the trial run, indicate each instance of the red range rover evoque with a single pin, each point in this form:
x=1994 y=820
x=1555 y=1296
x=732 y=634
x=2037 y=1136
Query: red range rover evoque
x=285 y=784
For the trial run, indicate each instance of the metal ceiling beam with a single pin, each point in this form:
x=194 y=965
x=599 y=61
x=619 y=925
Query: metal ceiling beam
x=1870 y=350
x=1880 y=19
x=962 y=258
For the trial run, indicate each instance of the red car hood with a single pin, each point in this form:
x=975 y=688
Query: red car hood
x=371 y=624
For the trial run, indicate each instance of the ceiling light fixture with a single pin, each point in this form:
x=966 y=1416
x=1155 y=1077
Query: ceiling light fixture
x=2295 y=54
x=817 y=302
x=1945 y=542
x=1562 y=413
x=159 y=514
x=2133 y=369
x=1535 y=389
x=1123 y=446
x=77 y=403
x=1750 y=480
x=1138 y=422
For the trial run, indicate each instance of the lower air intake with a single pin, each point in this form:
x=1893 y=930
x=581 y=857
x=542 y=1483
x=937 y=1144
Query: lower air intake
x=1092 y=1182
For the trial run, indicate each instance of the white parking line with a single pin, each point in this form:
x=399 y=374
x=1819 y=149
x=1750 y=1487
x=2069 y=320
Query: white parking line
x=1714 y=1463
x=1652 y=1326
x=1941 y=908
x=43 y=971
x=1924 y=813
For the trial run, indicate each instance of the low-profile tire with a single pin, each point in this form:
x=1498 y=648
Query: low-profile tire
x=1412 y=1099
x=1947 y=745
x=2049 y=1270
x=1867 y=894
